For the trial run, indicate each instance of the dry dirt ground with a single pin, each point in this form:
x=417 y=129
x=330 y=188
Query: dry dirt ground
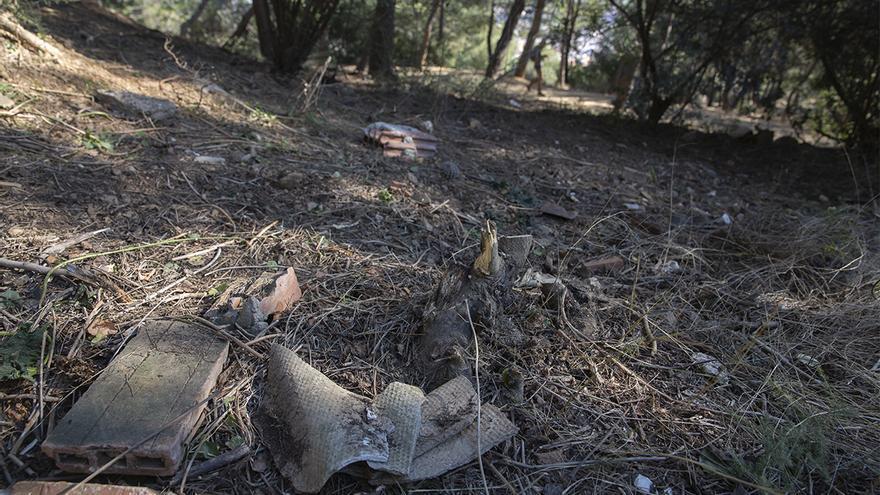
x=737 y=349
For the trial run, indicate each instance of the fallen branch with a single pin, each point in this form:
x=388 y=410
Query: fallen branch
x=213 y=464
x=14 y=30
x=88 y=276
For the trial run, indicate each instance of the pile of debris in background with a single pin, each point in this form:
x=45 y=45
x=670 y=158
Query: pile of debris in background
x=401 y=140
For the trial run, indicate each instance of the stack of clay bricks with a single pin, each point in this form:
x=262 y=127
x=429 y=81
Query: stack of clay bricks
x=401 y=140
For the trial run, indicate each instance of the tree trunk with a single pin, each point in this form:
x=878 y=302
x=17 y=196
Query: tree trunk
x=382 y=40
x=491 y=28
x=523 y=61
x=495 y=58
x=265 y=30
x=572 y=10
x=441 y=28
x=426 y=35
x=186 y=27
x=241 y=29
x=658 y=108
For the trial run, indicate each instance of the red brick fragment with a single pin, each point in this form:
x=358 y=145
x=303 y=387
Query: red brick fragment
x=165 y=372
x=602 y=265
x=56 y=487
x=283 y=296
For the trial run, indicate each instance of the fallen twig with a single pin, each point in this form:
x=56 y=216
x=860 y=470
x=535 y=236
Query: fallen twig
x=226 y=335
x=85 y=275
x=213 y=464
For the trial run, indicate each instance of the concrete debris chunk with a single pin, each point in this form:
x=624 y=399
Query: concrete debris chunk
x=711 y=366
x=315 y=428
x=58 y=487
x=401 y=140
x=165 y=371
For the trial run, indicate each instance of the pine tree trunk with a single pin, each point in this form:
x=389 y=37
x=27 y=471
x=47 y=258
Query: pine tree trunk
x=491 y=28
x=523 y=61
x=497 y=56
x=426 y=35
x=382 y=40
x=572 y=8
x=186 y=27
x=265 y=30
x=441 y=28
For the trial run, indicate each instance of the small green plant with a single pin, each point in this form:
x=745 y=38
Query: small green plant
x=262 y=116
x=788 y=450
x=96 y=142
x=20 y=354
x=385 y=196
x=216 y=291
x=9 y=299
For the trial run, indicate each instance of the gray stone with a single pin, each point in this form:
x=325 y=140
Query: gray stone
x=6 y=102
x=132 y=103
x=164 y=372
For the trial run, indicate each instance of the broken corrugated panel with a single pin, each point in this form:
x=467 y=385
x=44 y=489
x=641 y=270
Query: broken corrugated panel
x=315 y=428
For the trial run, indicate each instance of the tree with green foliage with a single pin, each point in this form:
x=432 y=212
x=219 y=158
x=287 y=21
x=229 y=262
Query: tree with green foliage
x=289 y=29
x=678 y=42
x=537 y=16
x=497 y=55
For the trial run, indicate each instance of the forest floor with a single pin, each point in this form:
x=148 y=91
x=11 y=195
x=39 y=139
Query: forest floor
x=736 y=350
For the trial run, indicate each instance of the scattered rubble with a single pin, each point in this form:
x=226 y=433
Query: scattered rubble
x=167 y=370
x=315 y=428
x=712 y=366
x=401 y=140
x=209 y=160
x=643 y=484
x=554 y=210
x=601 y=265
x=136 y=105
x=249 y=304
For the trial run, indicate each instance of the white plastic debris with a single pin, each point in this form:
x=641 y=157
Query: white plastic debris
x=807 y=360
x=670 y=266
x=643 y=484
x=632 y=206
x=514 y=103
x=210 y=160
x=725 y=219
x=711 y=366
x=532 y=279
